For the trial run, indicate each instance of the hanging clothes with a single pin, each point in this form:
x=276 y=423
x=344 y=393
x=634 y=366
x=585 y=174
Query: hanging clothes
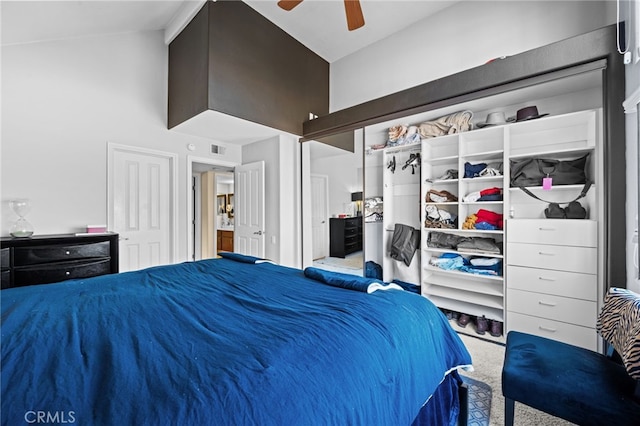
x=404 y=243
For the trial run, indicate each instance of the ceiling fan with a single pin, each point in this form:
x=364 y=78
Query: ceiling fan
x=355 y=19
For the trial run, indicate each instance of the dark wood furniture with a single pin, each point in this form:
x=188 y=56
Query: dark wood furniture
x=345 y=236
x=232 y=60
x=44 y=259
x=225 y=241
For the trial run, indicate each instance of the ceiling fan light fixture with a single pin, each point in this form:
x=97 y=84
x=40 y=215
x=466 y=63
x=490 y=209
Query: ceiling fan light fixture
x=355 y=18
x=288 y=4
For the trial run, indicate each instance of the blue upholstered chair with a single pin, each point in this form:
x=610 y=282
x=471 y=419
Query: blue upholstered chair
x=576 y=384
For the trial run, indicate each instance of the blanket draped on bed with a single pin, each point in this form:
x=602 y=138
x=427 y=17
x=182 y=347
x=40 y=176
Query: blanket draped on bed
x=220 y=342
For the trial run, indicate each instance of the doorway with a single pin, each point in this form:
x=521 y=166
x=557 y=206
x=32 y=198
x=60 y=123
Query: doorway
x=209 y=178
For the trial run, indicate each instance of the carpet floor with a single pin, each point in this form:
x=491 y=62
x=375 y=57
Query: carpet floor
x=351 y=264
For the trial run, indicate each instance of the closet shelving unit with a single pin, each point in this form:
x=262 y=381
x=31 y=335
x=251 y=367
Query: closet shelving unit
x=473 y=294
x=561 y=136
x=554 y=266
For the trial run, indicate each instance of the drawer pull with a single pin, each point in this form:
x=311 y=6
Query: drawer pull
x=546 y=253
x=67 y=252
x=546 y=229
x=546 y=303
x=546 y=279
x=67 y=273
x=552 y=330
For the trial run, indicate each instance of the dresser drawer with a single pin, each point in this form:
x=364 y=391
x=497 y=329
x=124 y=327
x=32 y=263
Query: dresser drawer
x=547 y=281
x=566 y=232
x=45 y=254
x=5 y=279
x=584 y=337
x=565 y=309
x=562 y=258
x=5 y=258
x=55 y=272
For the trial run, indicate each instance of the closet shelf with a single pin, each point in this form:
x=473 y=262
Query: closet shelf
x=554 y=187
x=486 y=203
x=484 y=178
x=488 y=155
x=463 y=274
x=463 y=253
x=473 y=309
x=441 y=181
x=551 y=153
x=440 y=160
x=444 y=203
x=433 y=283
x=468 y=231
x=470 y=297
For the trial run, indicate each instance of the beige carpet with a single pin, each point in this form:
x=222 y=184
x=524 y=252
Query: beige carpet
x=352 y=261
x=487 y=362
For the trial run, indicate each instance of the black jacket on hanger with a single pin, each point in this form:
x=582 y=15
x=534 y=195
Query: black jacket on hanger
x=404 y=243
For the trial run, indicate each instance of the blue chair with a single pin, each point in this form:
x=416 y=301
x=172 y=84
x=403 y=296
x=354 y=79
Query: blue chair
x=576 y=384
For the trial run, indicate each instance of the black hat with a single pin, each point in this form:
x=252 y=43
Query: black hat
x=528 y=113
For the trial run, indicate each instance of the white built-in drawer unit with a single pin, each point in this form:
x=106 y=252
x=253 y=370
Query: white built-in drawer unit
x=556 y=330
x=552 y=284
x=564 y=232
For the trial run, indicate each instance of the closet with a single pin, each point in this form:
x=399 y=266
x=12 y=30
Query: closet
x=565 y=311
x=578 y=84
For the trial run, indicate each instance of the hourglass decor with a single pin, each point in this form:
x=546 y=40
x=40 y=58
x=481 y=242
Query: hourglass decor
x=22 y=228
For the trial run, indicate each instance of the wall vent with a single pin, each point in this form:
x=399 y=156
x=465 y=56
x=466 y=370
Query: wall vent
x=217 y=149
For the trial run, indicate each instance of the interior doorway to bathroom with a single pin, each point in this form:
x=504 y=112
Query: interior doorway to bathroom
x=211 y=208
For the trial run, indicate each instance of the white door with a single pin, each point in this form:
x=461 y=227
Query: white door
x=320 y=216
x=141 y=206
x=249 y=216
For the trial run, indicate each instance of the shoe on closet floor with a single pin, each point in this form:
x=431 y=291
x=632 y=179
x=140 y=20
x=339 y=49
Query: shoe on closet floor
x=463 y=320
x=482 y=325
x=495 y=328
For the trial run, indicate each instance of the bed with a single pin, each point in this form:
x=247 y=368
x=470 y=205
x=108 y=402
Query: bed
x=235 y=340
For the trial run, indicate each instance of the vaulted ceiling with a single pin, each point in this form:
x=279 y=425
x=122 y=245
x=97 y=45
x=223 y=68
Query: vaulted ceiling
x=318 y=24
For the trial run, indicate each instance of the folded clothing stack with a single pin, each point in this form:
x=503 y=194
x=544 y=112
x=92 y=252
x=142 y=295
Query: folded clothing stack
x=488 y=194
x=445 y=240
x=485 y=220
x=477 y=265
x=482 y=170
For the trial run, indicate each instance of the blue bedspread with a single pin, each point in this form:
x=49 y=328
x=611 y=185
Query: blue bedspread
x=220 y=342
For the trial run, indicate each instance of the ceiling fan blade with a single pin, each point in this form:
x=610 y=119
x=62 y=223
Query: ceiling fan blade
x=289 y=4
x=355 y=19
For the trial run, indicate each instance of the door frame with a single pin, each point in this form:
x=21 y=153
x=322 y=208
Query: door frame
x=202 y=160
x=173 y=190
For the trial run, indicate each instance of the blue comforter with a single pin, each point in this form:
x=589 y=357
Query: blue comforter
x=220 y=342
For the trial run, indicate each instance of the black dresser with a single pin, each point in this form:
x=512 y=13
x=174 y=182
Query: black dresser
x=345 y=236
x=44 y=259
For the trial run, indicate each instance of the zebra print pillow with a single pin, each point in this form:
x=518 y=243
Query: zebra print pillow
x=619 y=324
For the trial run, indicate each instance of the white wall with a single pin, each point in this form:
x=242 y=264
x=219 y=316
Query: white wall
x=62 y=102
x=460 y=37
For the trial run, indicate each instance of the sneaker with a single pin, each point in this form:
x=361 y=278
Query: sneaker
x=482 y=325
x=496 y=328
x=463 y=320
